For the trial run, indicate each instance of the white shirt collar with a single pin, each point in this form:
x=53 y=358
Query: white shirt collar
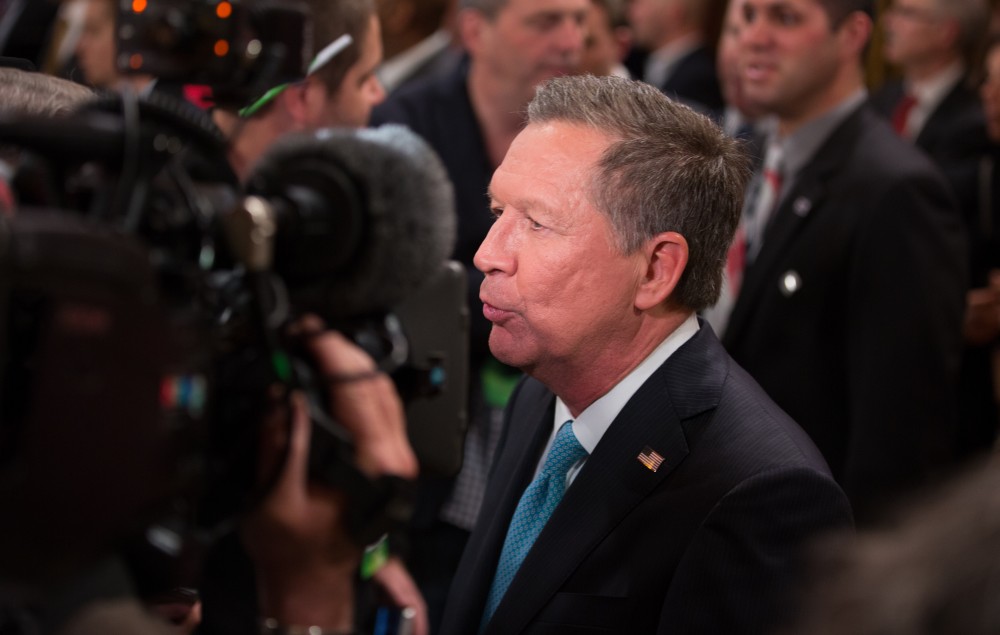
x=595 y=420
x=929 y=94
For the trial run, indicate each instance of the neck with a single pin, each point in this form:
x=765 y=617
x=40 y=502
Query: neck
x=581 y=383
x=846 y=83
x=499 y=110
x=928 y=69
x=682 y=36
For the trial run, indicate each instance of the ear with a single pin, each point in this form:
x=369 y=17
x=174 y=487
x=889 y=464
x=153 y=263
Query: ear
x=666 y=257
x=294 y=102
x=854 y=33
x=471 y=25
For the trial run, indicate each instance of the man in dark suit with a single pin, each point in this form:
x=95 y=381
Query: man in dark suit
x=688 y=493
x=849 y=312
x=680 y=62
x=934 y=105
x=470 y=116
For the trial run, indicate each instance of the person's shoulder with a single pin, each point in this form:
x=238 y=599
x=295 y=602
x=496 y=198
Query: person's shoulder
x=745 y=431
x=876 y=154
x=420 y=99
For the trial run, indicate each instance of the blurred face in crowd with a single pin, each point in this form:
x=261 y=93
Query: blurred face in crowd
x=556 y=289
x=360 y=91
x=728 y=62
x=647 y=19
x=916 y=31
x=990 y=92
x=96 y=50
x=527 y=41
x=790 y=55
x=602 y=46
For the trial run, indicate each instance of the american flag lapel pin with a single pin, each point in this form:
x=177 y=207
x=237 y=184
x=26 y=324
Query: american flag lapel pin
x=650 y=458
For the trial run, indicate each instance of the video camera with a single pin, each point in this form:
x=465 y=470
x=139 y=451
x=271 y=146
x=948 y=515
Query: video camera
x=145 y=295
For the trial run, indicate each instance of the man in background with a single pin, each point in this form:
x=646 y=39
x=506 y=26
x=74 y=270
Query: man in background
x=936 y=43
x=681 y=62
x=850 y=304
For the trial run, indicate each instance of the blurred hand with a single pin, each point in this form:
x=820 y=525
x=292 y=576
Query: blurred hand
x=396 y=581
x=305 y=559
x=982 y=315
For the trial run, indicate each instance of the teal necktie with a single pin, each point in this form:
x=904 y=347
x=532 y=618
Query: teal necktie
x=533 y=511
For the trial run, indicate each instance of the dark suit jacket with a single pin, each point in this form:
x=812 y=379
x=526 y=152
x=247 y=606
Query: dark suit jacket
x=705 y=545
x=850 y=316
x=694 y=80
x=955 y=139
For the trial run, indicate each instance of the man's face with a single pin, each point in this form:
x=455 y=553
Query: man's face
x=647 y=19
x=916 y=32
x=96 y=48
x=728 y=62
x=360 y=91
x=600 y=50
x=530 y=41
x=789 y=56
x=556 y=289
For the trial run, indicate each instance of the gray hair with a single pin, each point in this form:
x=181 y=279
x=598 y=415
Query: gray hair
x=36 y=94
x=667 y=169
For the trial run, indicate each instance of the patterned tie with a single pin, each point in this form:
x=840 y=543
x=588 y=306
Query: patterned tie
x=533 y=511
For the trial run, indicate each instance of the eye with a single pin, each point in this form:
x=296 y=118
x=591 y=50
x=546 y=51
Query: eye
x=785 y=17
x=496 y=212
x=535 y=224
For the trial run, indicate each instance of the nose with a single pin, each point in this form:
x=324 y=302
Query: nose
x=754 y=33
x=570 y=35
x=496 y=253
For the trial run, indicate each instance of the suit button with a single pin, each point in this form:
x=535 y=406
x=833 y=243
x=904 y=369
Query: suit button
x=802 y=206
x=790 y=283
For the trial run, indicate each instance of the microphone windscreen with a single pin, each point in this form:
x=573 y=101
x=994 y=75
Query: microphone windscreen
x=373 y=212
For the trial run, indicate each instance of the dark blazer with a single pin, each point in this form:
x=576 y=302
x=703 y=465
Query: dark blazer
x=694 y=80
x=707 y=544
x=850 y=317
x=954 y=137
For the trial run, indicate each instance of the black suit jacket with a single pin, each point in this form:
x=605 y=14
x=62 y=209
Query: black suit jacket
x=850 y=316
x=707 y=544
x=694 y=81
x=954 y=137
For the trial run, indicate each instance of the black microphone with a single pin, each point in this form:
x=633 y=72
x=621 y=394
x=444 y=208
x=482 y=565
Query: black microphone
x=364 y=217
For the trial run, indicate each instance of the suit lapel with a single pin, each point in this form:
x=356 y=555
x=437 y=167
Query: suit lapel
x=796 y=210
x=613 y=481
x=526 y=431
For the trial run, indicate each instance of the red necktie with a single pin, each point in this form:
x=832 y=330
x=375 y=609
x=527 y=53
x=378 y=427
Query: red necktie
x=902 y=113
